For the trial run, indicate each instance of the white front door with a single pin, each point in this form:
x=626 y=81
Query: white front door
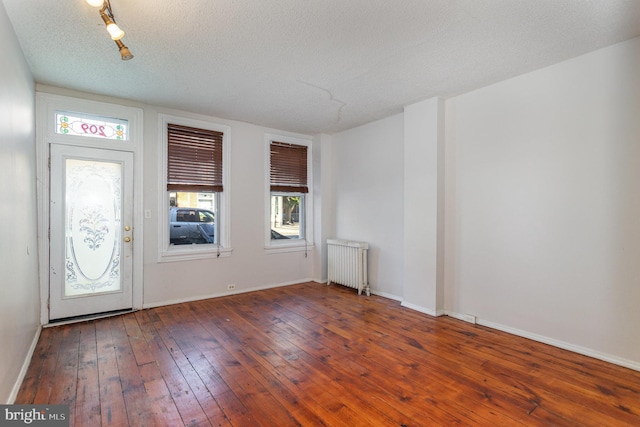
x=91 y=242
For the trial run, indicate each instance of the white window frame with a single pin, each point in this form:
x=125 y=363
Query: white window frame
x=288 y=245
x=167 y=252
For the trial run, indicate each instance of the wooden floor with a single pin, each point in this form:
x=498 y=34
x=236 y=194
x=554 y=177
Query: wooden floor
x=314 y=355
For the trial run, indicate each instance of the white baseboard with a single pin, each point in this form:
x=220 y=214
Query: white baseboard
x=459 y=316
x=386 y=295
x=454 y=315
x=25 y=367
x=554 y=342
x=223 y=294
x=423 y=309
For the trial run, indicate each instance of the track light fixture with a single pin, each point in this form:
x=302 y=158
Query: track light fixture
x=115 y=32
x=125 y=53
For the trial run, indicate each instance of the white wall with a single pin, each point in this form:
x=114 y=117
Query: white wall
x=547 y=203
x=424 y=146
x=368 y=181
x=542 y=176
x=19 y=292
x=323 y=203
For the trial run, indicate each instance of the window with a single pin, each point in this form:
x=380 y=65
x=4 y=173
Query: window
x=285 y=219
x=195 y=202
x=91 y=125
x=189 y=225
x=288 y=193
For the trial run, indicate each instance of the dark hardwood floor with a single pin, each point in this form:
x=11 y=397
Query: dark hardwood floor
x=314 y=355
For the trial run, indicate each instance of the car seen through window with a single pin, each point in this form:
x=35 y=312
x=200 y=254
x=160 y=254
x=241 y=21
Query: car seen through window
x=190 y=226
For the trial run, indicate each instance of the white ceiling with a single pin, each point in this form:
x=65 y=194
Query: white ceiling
x=308 y=66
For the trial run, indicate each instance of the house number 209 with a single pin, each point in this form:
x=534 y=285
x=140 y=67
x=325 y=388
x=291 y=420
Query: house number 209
x=93 y=129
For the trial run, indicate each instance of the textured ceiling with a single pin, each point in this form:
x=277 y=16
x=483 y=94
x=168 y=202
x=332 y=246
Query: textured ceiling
x=303 y=65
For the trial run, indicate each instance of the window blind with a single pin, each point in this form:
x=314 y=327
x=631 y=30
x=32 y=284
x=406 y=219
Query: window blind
x=194 y=161
x=288 y=167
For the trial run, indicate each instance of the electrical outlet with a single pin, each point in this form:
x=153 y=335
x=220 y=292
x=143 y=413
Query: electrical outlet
x=469 y=318
x=231 y=287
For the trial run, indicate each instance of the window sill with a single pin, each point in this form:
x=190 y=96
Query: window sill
x=188 y=253
x=277 y=248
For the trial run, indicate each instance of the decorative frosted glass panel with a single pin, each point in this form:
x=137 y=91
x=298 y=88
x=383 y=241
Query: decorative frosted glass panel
x=91 y=125
x=92 y=227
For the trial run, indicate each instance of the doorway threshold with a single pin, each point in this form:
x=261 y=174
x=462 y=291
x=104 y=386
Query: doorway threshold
x=87 y=317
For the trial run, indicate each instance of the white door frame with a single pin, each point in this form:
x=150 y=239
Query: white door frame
x=46 y=106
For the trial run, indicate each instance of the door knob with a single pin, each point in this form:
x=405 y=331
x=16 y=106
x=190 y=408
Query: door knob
x=127 y=239
x=127 y=228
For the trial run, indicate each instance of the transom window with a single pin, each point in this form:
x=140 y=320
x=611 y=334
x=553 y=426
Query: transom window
x=91 y=125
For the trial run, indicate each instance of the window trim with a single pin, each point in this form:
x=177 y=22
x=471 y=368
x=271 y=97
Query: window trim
x=293 y=245
x=166 y=252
